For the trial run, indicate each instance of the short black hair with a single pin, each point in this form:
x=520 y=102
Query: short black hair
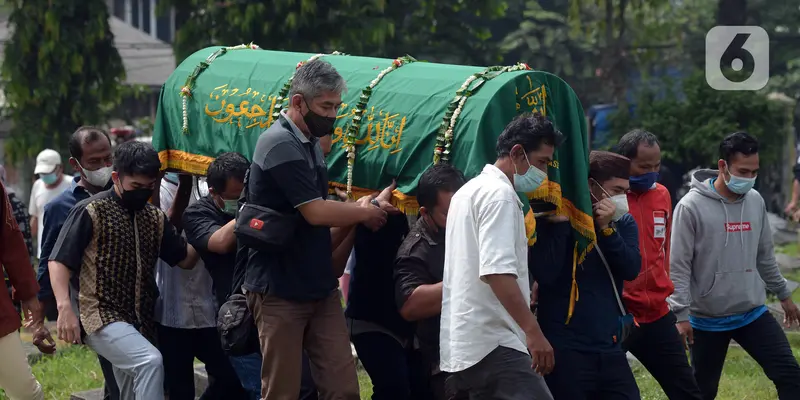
x=530 y=130
x=136 y=158
x=737 y=142
x=441 y=177
x=85 y=135
x=628 y=144
x=226 y=166
x=605 y=165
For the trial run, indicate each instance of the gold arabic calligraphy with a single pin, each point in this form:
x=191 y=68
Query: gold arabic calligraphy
x=250 y=108
x=384 y=132
x=247 y=113
x=535 y=98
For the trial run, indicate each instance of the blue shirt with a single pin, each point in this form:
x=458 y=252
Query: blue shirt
x=55 y=213
x=729 y=323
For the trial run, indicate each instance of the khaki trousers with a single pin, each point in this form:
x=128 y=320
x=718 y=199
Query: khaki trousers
x=286 y=328
x=16 y=377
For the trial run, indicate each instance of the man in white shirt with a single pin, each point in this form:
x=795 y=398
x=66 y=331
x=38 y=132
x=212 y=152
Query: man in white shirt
x=50 y=184
x=488 y=332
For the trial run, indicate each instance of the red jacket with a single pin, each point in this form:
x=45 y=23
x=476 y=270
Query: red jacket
x=17 y=263
x=645 y=297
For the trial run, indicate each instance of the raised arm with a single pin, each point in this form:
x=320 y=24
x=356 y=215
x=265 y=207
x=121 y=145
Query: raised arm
x=621 y=249
x=342 y=252
x=203 y=232
x=174 y=249
x=181 y=201
x=547 y=258
x=287 y=166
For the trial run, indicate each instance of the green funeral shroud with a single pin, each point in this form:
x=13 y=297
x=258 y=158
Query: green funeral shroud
x=232 y=98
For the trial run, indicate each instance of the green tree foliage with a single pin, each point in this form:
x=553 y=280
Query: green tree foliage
x=546 y=42
x=442 y=29
x=60 y=70
x=690 y=128
x=596 y=45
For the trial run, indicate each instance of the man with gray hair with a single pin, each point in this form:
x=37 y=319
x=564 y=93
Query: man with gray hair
x=292 y=289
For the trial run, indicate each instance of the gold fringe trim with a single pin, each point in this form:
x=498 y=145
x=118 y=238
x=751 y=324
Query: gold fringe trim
x=574 y=295
x=405 y=203
x=530 y=227
x=582 y=222
x=192 y=163
x=549 y=191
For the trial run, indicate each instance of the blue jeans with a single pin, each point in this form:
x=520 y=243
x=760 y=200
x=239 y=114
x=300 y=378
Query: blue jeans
x=248 y=368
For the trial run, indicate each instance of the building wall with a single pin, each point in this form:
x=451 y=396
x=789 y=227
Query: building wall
x=141 y=14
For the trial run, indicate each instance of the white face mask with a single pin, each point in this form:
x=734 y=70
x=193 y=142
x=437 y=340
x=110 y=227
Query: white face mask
x=98 y=177
x=621 y=201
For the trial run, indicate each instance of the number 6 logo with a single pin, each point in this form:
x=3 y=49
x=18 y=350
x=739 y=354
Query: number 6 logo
x=743 y=50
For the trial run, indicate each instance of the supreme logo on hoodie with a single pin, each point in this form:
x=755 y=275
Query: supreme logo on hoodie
x=737 y=226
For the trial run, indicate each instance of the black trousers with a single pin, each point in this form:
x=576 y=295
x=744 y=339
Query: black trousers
x=580 y=375
x=763 y=339
x=504 y=374
x=179 y=347
x=397 y=373
x=658 y=346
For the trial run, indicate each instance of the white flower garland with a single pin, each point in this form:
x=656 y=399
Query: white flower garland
x=355 y=124
x=442 y=150
x=186 y=90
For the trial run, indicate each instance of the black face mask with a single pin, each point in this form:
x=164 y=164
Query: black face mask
x=318 y=125
x=135 y=199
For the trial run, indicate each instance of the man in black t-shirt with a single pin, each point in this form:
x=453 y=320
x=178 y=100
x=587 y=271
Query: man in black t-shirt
x=293 y=292
x=209 y=228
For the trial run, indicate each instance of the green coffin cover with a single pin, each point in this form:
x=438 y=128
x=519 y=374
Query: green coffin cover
x=231 y=102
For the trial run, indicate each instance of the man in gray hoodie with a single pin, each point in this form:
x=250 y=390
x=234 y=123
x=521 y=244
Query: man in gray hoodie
x=722 y=261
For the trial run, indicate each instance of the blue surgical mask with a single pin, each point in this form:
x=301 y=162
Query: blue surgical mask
x=172 y=177
x=643 y=182
x=739 y=185
x=531 y=180
x=50 y=178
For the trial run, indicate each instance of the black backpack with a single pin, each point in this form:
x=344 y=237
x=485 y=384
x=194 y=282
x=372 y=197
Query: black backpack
x=237 y=328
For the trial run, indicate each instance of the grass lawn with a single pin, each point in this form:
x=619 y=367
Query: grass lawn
x=71 y=369
x=75 y=369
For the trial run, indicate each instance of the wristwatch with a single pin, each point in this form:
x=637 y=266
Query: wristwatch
x=608 y=231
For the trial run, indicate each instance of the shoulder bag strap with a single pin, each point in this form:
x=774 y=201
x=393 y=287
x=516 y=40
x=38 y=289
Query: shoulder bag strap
x=246 y=187
x=611 y=276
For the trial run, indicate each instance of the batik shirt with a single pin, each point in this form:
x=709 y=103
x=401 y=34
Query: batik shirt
x=114 y=252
